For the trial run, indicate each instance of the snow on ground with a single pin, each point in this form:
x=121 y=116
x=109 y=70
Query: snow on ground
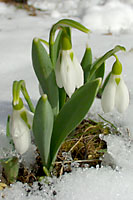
x=17 y=29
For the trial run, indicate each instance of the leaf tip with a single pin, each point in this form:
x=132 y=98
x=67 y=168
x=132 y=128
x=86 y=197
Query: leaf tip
x=44 y=97
x=35 y=40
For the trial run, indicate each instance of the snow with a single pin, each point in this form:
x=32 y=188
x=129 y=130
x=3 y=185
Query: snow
x=111 y=24
x=100 y=17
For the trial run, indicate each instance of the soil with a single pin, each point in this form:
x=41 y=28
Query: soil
x=22 y=4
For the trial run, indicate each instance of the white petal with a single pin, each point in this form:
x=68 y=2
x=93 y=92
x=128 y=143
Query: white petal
x=58 y=73
x=78 y=73
x=122 y=97
x=22 y=143
x=68 y=73
x=108 y=96
x=20 y=133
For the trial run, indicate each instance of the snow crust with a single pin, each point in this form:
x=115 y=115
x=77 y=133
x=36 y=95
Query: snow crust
x=17 y=29
x=114 y=16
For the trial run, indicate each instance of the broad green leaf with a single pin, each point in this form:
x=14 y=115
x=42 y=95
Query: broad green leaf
x=45 y=73
x=42 y=128
x=72 y=113
x=86 y=62
x=99 y=73
x=102 y=59
x=62 y=97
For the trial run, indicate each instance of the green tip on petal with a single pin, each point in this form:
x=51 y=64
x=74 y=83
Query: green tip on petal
x=117 y=67
x=71 y=55
x=19 y=105
x=117 y=80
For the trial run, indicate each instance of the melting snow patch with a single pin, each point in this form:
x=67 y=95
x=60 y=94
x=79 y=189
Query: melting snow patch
x=95 y=184
x=111 y=17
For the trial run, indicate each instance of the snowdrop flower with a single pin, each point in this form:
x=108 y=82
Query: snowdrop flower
x=116 y=92
x=20 y=125
x=68 y=71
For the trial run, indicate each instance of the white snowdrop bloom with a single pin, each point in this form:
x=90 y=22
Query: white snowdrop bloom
x=115 y=94
x=20 y=125
x=68 y=71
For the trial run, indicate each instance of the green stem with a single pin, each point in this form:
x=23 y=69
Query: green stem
x=8 y=126
x=17 y=86
x=102 y=59
x=26 y=96
x=51 y=43
x=46 y=171
x=16 y=91
x=44 y=42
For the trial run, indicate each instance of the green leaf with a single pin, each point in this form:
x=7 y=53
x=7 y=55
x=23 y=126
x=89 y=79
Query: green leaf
x=102 y=59
x=99 y=73
x=11 y=169
x=72 y=113
x=86 y=62
x=45 y=74
x=62 y=97
x=42 y=128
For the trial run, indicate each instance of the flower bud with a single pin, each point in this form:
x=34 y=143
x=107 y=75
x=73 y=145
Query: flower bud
x=20 y=125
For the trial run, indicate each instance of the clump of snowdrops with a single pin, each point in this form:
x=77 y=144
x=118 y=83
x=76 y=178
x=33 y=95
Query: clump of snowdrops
x=68 y=88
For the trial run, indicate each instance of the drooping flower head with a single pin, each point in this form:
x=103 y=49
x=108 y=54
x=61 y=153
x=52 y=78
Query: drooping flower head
x=68 y=71
x=20 y=125
x=116 y=92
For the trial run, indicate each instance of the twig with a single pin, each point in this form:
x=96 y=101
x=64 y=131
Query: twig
x=75 y=144
x=75 y=161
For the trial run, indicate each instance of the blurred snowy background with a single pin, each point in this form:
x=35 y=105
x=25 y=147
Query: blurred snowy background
x=102 y=15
